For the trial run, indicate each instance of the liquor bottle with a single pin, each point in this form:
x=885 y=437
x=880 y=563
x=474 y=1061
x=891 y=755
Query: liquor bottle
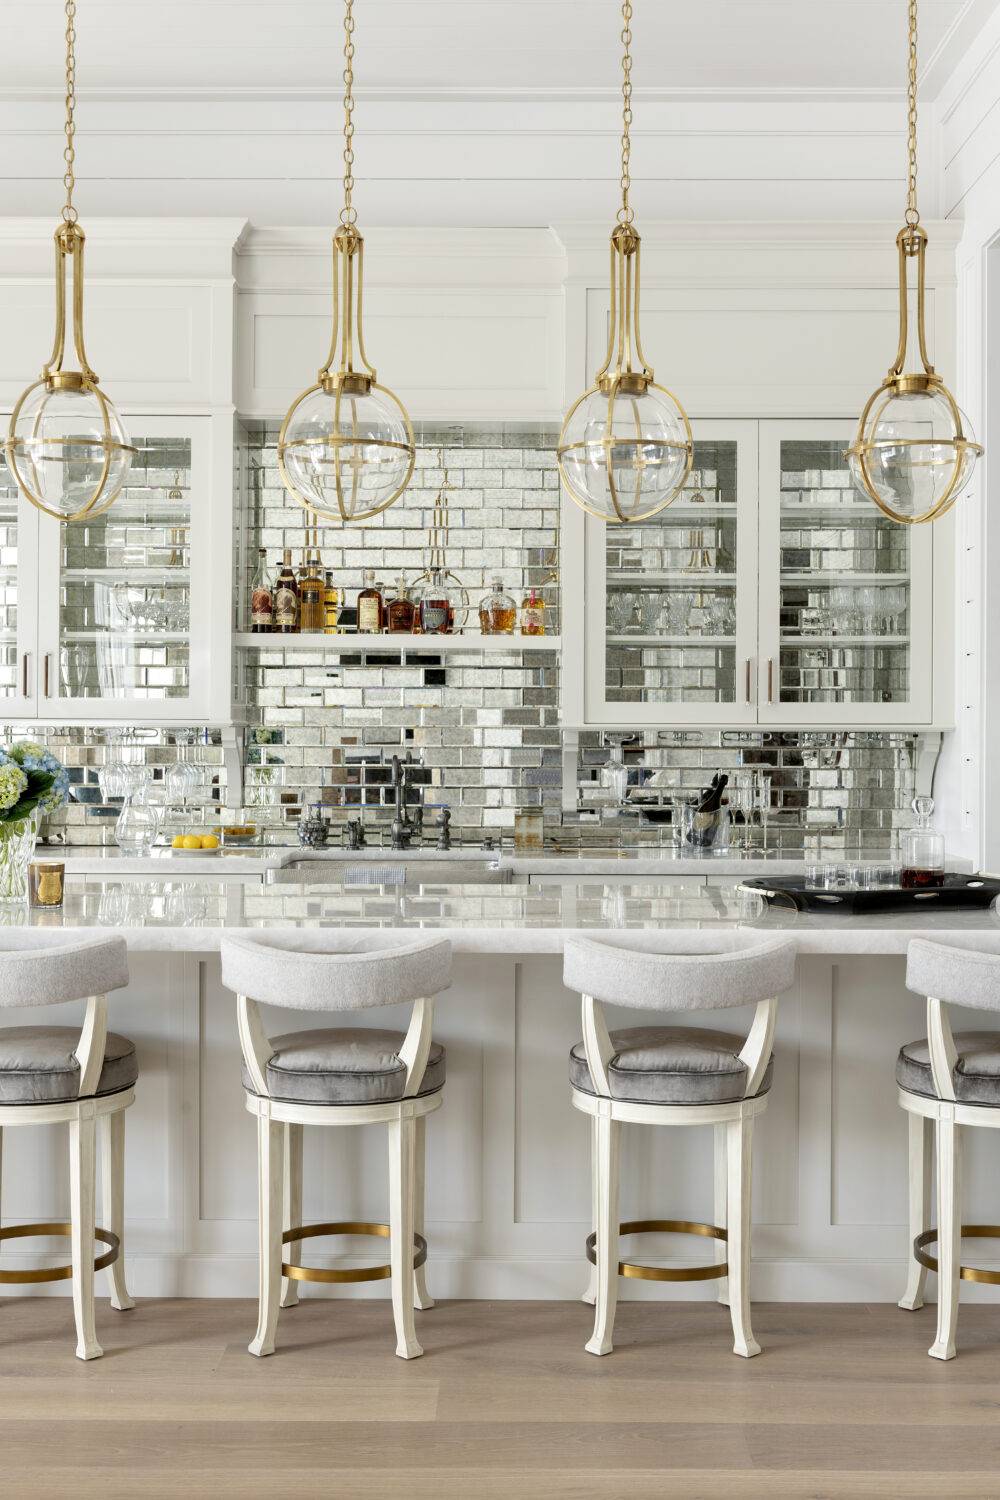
x=261 y=598
x=437 y=612
x=401 y=610
x=286 y=598
x=311 y=594
x=921 y=850
x=497 y=611
x=331 y=605
x=533 y=613
x=371 y=606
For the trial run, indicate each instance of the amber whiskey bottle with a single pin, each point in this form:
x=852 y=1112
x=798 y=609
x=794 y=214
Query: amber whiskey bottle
x=286 y=598
x=371 y=607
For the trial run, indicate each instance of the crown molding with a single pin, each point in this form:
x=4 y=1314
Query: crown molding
x=133 y=248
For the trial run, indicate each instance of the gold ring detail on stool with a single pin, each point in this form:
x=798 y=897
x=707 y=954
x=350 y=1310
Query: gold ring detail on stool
x=55 y=1273
x=665 y=1273
x=969 y=1231
x=358 y=1273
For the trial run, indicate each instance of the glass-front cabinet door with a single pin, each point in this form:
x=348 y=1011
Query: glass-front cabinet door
x=18 y=549
x=122 y=628
x=672 y=602
x=846 y=627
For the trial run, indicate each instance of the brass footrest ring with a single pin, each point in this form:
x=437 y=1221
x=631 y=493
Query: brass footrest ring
x=357 y=1273
x=55 y=1273
x=969 y=1231
x=665 y=1273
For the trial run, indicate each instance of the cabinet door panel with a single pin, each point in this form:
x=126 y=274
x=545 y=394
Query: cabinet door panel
x=18 y=597
x=671 y=602
x=122 y=632
x=846 y=620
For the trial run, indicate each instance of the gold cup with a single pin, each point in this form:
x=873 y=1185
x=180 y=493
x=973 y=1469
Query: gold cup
x=45 y=883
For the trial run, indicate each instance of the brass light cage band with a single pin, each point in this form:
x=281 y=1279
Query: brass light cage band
x=639 y=1272
x=54 y=1273
x=354 y=1273
x=966 y=1273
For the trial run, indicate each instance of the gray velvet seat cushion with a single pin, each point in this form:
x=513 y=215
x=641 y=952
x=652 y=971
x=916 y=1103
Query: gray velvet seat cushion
x=38 y=1066
x=670 y=1065
x=349 y=1065
x=976 y=1077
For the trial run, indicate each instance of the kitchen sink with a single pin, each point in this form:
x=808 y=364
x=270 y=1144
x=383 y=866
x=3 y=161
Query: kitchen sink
x=389 y=870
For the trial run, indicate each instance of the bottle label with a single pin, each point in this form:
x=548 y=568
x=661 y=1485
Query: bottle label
x=261 y=606
x=285 y=606
x=533 y=620
x=434 y=616
x=368 y=616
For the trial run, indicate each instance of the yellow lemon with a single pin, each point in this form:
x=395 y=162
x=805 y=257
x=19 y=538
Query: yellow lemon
x=191 y=841
x=209 y=841
x=177 y=842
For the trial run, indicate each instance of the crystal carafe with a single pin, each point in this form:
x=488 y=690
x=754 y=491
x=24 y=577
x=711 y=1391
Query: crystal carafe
x=497 y=611
x=922 y=849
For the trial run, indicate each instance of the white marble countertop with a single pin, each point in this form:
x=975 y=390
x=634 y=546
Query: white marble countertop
x=190 y=915
x=664 y=861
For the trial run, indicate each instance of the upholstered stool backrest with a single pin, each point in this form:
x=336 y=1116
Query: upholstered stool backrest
x=334 y=970
x=43 y=967
x=742 y=972
x=961 y=975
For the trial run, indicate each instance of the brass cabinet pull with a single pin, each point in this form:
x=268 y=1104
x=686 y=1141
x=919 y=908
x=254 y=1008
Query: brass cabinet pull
x=770 y=679
x=748 y=680
x=45 y=665
x=24 y=674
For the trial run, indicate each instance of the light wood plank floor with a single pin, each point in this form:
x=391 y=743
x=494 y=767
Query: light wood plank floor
x=505 y=1404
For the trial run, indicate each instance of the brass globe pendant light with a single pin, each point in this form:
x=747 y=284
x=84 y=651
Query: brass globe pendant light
x=914 y=451
x=67 y=449
x=345 y=449
x=625 y=450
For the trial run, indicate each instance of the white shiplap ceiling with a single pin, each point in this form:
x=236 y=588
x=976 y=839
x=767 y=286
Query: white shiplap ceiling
x=472 y=111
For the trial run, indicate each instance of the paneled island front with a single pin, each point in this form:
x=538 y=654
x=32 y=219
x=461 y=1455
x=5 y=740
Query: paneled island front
x=508 y=1178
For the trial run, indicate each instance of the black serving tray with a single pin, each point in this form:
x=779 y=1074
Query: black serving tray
x=958 y=890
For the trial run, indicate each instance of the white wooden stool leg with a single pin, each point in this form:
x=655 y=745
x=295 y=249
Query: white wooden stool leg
x=738 y=1226
x=112 y=1132
x=920 y=1146
x=292 y=1216
x=949 y=1166
x=401 y=1174
x=82 y=1184
x=608 y=1155
x=721 y=1206
x=270 y=1175
x=422 y=1299
x=590 y=1295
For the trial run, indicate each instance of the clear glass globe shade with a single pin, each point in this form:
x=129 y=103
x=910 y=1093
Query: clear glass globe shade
x=60 y=441
x=647 y=441
x=911 y=455
x=349 y=464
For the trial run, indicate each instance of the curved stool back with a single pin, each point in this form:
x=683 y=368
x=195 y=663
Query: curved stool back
x=337 y=972
x=52 y=968
x=739 y=972
x=947 y=1083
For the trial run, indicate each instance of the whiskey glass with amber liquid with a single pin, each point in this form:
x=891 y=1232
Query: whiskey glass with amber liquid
x=922 y=850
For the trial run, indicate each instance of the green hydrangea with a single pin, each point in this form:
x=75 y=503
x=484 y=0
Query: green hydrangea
x=22 y=748
x=13 y=783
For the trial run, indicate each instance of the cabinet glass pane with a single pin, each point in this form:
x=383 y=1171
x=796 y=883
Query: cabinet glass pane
x=671 y=593
x=125 y=584
x=845 y=586
x=9 y=685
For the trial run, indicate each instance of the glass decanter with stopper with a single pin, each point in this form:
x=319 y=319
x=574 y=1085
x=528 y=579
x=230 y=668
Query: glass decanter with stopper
x=921 y=850
x=436 y=609
x=497 y=611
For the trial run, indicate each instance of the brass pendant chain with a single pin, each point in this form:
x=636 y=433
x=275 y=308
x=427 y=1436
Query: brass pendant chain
x=625 y=213
x=348 y=214
x=69 y=213
x=912 y=212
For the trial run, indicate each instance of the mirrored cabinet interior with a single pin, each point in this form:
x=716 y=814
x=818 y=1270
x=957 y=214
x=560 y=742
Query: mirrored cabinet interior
x=768 y=592
x=111 y=620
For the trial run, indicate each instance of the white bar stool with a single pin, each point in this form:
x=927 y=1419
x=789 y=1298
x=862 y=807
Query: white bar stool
x=53 y=1075
x=949 y=1081
x=345 y=1076
x=665 y=1075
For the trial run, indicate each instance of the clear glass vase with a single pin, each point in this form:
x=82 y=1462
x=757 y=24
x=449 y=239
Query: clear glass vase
x=17 y=845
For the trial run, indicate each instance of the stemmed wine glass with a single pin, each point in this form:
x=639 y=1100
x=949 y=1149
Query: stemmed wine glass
x=741 y=800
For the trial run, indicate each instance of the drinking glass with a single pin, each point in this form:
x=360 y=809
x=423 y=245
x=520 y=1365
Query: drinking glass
x=815 y=877
x=741 y=800
x=137 y=827
x=762 y=802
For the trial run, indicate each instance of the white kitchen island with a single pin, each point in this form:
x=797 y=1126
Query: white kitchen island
x=508 y=1178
